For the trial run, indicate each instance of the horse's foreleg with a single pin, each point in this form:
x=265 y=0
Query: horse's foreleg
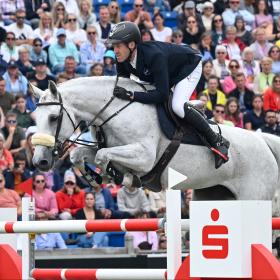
x=80 y=155
x=137 y=157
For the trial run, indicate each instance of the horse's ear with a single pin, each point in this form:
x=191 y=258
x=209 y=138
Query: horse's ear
x=35 y=90
x=53 y=88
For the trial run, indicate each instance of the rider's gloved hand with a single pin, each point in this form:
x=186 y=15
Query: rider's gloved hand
x=122 y=93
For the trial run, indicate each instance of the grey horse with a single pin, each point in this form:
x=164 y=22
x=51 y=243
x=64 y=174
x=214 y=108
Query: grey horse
x=135 y=143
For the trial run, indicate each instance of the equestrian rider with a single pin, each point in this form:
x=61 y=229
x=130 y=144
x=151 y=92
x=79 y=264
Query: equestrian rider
x=165 y=65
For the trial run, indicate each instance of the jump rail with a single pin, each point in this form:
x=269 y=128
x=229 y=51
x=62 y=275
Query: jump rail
x=99 y=274
x=95 y=225
x=86 y=226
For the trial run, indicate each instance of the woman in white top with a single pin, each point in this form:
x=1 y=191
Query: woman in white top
x=73 y=32
x=9 y=50
x=46 y=31
x=160 y=32
x=86 y=17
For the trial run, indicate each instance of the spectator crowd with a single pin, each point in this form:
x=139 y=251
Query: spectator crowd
x=42 y=40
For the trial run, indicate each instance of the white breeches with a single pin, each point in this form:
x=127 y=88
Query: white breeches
x=184 y=89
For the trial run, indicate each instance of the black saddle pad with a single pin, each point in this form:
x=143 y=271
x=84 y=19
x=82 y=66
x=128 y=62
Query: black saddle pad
x=168 y=127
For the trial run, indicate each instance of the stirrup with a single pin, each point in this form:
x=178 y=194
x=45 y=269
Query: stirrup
x=221 y=152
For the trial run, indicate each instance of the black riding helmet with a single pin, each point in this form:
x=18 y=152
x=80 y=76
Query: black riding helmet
x=124 y=32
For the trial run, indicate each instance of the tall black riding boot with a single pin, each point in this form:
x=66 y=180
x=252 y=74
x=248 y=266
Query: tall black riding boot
x=218 y=143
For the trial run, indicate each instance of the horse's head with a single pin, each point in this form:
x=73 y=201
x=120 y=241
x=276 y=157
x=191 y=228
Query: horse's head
x=55 y=123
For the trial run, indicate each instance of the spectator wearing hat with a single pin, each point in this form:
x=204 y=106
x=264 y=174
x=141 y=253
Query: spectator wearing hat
x=221 y=62
x=40 y=76
x=110 y=63
x=25 y=118
x=24 y=64
x=23 y=32
x=9 y=49
x=207 y=15
x=60 y=50
x=70 y=198
x=37 y=52
x=139 y=16
x=16 y=83
x=92 y=50
x=188 y=8
x=234 y=10
x=6 y=99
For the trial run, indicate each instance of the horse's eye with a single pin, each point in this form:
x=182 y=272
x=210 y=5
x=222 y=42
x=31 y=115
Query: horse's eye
x=53 y=118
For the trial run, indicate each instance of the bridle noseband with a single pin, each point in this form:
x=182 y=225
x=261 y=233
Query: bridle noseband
x=58 y=145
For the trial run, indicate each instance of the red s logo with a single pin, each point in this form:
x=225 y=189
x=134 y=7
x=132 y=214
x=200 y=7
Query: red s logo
x=209 y=241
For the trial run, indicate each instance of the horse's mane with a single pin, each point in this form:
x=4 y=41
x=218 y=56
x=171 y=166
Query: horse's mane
x=104 y=80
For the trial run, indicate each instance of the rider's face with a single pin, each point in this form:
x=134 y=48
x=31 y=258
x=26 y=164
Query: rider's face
x=122 y=51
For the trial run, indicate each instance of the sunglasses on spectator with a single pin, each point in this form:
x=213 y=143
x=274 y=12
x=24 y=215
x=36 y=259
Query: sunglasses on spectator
x=11 y=121
x=220 y=52
x=218 y=20
x=91 y=33
x=69 y=183
x=40 y=181
x=138 y=6
x=276 y=81
x=234 y=2
x=72 y=19
x=220 y=111
x=10 y=38
x=38 y=45
x=20 y=17
x=60 y=9
x=1 y=180
x=115 y=7
x=178 y=36
x=234 y=66
x=275 y=51
x=193 y=21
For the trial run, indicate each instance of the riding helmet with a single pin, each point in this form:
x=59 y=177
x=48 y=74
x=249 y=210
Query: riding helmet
x=124 y=32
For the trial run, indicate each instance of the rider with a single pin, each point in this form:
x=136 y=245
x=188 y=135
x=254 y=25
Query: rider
x=164 y=65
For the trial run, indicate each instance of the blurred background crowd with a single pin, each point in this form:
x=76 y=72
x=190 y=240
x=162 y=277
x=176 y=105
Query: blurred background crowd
x=44 y=40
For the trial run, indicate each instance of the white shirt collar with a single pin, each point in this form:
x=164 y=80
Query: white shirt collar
x=133 y=62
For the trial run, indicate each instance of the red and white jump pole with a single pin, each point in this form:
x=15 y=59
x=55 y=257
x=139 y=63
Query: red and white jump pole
x=86 y=226
x=99 y=274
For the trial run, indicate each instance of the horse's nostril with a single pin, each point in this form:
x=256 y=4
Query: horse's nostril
x=44 y=162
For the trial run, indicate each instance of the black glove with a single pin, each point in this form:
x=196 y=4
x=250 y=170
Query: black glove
x=122 y=93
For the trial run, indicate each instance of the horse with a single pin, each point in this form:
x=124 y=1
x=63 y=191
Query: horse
x=135 y=142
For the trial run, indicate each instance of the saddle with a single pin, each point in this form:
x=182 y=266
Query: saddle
x=179 y=132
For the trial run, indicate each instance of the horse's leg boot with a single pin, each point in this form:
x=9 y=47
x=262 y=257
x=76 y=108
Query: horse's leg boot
x=219 y=145
x=114 y=173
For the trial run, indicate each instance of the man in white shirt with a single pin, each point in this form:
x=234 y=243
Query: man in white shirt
x=23 y=32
